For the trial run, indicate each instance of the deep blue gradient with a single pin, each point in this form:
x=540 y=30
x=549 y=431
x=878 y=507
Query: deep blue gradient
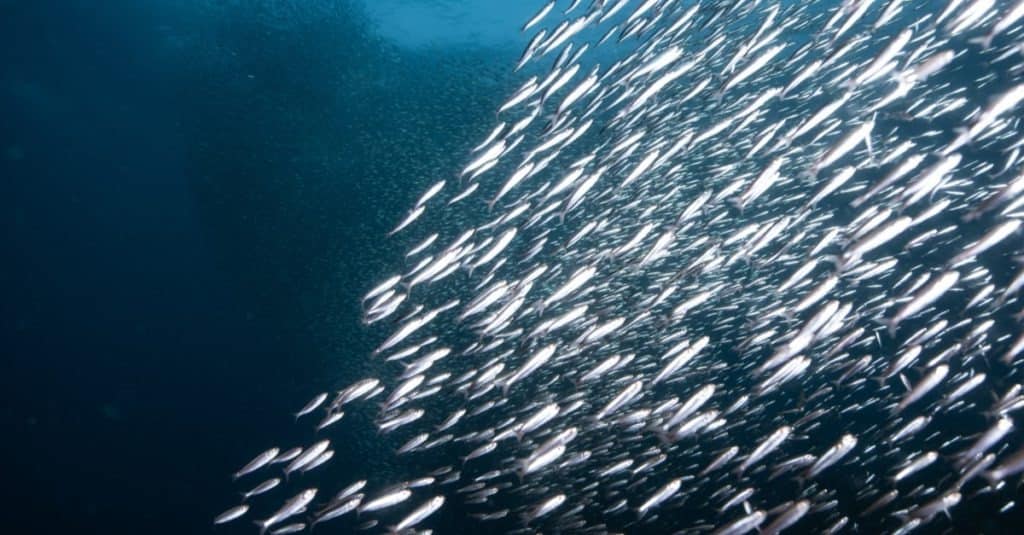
x=194 y=196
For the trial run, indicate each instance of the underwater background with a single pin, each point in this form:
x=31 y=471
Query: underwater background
x=194 y=196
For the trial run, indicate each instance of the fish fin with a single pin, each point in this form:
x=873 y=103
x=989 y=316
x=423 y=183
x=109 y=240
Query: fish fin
x=906 y=383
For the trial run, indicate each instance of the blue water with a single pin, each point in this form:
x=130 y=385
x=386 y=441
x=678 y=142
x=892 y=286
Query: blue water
x=194 y=196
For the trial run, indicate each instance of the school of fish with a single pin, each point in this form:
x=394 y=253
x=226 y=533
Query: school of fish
x=721 y=266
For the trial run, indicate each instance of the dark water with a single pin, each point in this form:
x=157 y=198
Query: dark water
x=194 y=195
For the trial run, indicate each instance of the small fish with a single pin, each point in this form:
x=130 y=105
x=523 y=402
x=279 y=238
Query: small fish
x=231 y=514
x=261 y=460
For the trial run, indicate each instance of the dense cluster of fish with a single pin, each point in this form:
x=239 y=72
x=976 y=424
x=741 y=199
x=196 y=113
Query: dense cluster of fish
x=721 y=266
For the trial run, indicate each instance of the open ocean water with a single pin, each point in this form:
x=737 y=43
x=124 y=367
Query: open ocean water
x=196 y=196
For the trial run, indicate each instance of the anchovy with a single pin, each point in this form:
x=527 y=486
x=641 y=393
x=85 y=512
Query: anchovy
x=665 y=492
x=928 y=295
x=544 y=10
x=790 y=516
x=292 y=507
x=386 y=500
x=627 y=395
x=915 y=465
x=929 y=382
x=770 y=444
x=422 y=512
x=231 y=514
x=742 y=525
x=261 y=460
x=841 y=449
